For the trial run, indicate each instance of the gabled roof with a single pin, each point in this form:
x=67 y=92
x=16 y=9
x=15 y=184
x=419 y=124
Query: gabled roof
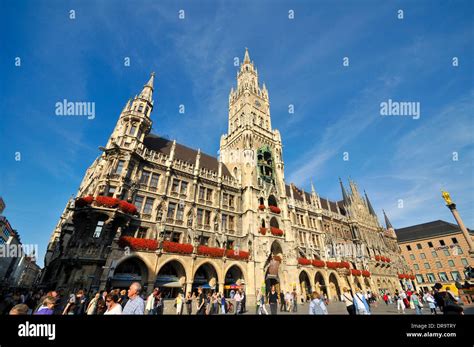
x=432 y=229
x=184 y=153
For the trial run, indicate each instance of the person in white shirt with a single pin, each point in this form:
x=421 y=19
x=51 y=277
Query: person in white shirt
x=113 y=307
x=348 y=299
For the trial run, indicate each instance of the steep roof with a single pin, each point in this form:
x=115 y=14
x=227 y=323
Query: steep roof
x=184 y=153
x=432 y=229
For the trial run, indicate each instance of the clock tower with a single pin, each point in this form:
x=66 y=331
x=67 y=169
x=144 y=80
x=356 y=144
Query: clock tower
x=252 y=151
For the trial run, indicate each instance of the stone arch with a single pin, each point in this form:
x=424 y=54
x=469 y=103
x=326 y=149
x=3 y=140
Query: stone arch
x=272 y=201
x=320 y=283
x=276 y=248
x=274 y=223
x=128 y=270
x=334 y=287
x=207 y=276
x=234 y=278
x=171 y=278
x=357 y=284
x=305 y=284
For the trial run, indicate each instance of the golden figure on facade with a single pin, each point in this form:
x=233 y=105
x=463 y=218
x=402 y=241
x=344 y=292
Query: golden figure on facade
x=447 y=197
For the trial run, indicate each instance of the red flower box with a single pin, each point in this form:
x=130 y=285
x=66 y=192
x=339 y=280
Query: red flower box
x=277 y=258
x=388 y=260
x=175 y=247
x=211 y=251
x=378 y=258
x=276 y=231
x=365 y=273
x=230 y=253
x=344 y=264
x=318 y=263
x=87 y=200
x=402 y=276
x=304 y=261
x=138 y=243
x=356 y=272
x=261 y=207
x=107 y=201
x=275 y=209
x=332 y=264
x=263 y=230
x=127 y=207
x=412 y=277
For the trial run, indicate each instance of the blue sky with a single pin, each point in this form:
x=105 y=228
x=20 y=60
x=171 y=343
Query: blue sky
x=300 y=60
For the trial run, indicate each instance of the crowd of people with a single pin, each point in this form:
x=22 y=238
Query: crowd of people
x=201 y=302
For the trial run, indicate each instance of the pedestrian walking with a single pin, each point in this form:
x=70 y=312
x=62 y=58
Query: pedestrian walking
x=317 y=305
x=135 y=304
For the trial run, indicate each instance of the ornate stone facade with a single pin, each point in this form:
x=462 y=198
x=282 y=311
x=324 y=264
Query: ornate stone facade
x=215 y=222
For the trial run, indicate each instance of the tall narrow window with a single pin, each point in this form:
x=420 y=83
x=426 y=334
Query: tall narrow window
x=175 y=186
x=139 y=202
x=145 y=177
x=231 y=222
x=133 y=129
x=154 y=180
x=111 y=191
x=119 y=168
x=180 y=212
x=148 y=206
x=199 y=216
x=98 y=229
x=224 y=222
x=171 y=210
x=184 y=187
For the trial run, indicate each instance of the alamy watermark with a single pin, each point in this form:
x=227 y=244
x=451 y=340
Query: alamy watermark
x=18 y=251
x=400 y=108
x=78 y=108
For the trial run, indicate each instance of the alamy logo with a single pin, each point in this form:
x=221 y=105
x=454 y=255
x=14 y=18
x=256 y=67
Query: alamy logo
x=400 y=108
x=37 y=330
x=78 y=108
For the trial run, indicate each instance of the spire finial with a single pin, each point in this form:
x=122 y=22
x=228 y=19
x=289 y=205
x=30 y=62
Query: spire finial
x=147 y=91
x=246 y=56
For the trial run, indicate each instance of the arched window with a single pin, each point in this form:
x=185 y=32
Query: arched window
x=274 y=223
x=272 y=201
x=261 y=201
x=263 y=223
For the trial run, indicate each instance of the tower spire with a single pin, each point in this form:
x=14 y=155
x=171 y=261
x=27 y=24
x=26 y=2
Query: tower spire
x=388 y=225
x=147 y=91
x=246 y=56
x=369 y=205
x=344 y=193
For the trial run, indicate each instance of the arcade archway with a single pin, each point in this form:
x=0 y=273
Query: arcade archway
x=171 y=279
x=233 y=280
x=320 y=283
x=335 y=290
x=205 y=277
x=128 y=271
x=305 y=285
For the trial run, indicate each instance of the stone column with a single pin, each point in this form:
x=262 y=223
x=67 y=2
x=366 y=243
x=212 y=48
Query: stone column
x=458 y=218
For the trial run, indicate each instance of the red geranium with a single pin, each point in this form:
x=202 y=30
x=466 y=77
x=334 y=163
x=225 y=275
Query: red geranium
x=318 y=263
x=87 y=200
x=107 y=201
x=211 y=251
x=365 y=273
x=230 y=253
x=127 y=207
x=356 y=272
x=332 y=264
x=138 y=243
x=344 y=264
x=377 y=257
x=263 y=230
x=276 y=231
x=388 y=260
x=175 y=247
x=304 y=261
x=275 y=209
x=261 y=207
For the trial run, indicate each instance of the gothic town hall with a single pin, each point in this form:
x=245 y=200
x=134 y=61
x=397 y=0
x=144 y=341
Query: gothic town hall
x=156 y=211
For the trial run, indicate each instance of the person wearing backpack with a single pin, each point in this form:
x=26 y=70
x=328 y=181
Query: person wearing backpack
x=415 y=301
